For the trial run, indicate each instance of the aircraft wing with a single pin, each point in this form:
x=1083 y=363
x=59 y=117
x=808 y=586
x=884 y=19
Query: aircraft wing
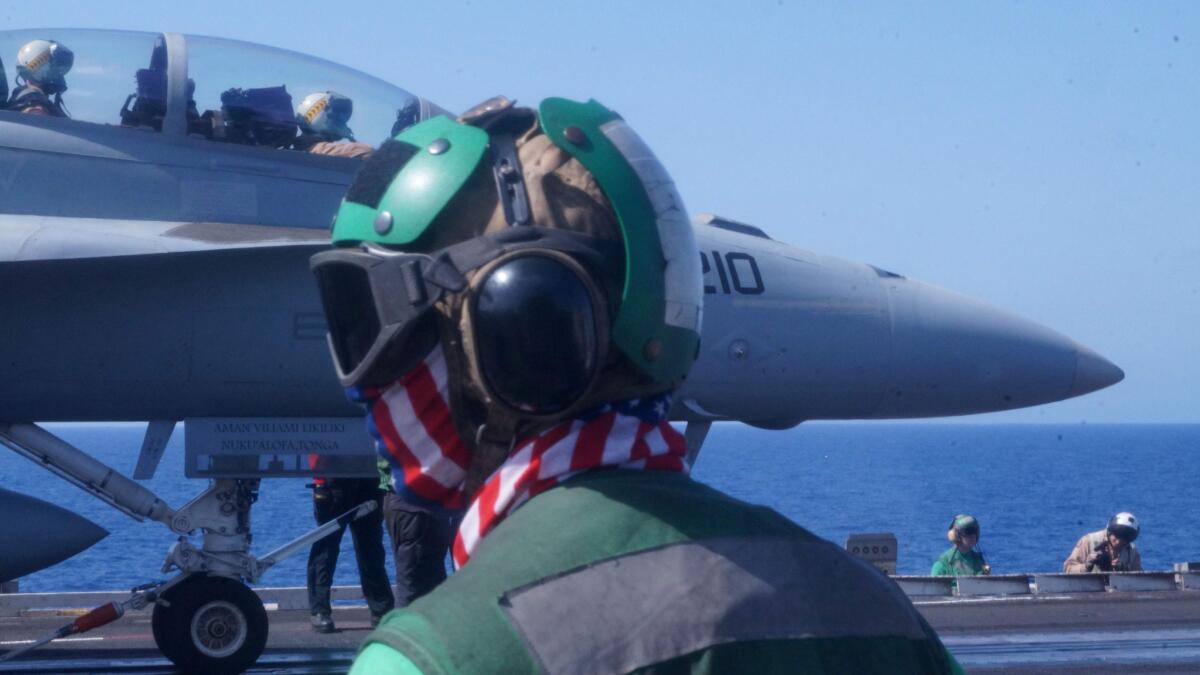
x=32 y=237
x=218 y=332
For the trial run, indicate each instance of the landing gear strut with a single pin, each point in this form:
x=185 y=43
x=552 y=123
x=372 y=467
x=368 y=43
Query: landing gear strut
x=205 y=619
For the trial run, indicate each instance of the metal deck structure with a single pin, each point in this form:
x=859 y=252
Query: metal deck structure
x=1102 y=630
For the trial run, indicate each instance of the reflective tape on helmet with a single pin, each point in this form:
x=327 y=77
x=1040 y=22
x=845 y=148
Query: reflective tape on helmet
x=315 y=109
x=657 y=324
x=38 y=61
x=675 y=234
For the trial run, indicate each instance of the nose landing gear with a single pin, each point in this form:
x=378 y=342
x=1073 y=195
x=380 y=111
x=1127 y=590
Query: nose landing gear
x=205 y=619
x=209 y=624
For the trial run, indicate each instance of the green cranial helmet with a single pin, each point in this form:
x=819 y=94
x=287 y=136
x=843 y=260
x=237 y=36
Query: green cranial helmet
x=965 y=524
x=419 y=180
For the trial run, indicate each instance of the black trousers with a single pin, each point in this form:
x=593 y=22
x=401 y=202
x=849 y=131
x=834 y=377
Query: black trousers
x=420 y=540
x=336 y=497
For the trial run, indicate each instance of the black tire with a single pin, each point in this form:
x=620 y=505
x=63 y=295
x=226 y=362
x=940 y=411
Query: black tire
x=213 y=625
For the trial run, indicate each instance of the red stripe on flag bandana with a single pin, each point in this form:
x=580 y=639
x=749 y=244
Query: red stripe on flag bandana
x=589 y=448
x=609 y=440
x=416 y=433
x=434 y=413
x=416 y=429
x=415 y=477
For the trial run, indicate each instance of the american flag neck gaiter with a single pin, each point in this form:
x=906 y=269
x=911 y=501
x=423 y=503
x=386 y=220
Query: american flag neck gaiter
x=413 y=430
x=411 y=423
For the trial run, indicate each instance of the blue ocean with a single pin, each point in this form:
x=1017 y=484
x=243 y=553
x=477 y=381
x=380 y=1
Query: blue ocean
x=1034 y=488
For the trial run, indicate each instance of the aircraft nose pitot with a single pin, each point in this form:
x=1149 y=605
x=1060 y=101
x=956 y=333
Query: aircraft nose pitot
x=1093 y=372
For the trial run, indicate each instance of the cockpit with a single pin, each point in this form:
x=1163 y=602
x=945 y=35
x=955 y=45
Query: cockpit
x=172 y=129
x=210 y=88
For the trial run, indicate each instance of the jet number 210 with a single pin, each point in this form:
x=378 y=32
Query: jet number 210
x=737 y=273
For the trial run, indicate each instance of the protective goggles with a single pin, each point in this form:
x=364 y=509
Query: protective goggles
x=535 y=324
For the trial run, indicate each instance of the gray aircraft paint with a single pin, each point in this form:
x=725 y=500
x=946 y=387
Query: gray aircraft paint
x=832 y=339
x=60 y=167
x=28 y=520
x=239 y=332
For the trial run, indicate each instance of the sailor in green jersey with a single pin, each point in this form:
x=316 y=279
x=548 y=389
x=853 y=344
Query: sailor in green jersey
x=962 y=559
x=513 y=296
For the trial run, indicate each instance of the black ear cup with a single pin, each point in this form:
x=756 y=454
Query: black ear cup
x=536 y=333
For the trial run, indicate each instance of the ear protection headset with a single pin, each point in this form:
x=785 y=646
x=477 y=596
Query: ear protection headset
x=962 y=523
x=534 y=321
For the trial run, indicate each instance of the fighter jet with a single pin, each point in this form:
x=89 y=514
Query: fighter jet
x=154 y=267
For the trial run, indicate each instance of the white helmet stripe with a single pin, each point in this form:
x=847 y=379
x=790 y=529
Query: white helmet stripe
x=683 y=288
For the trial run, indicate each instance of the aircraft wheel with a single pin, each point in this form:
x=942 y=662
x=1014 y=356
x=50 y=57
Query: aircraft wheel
x=213 y=625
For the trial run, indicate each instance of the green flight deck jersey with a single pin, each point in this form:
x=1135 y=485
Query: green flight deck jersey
x=651 y=572
x=954 y=563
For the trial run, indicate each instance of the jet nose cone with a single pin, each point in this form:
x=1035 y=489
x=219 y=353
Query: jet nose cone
x=1093 y=372
x=956 y=355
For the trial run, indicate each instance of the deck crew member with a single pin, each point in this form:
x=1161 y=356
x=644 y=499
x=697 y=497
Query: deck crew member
x=323 y=117
x=513 y=297
x=42 y=66
x=420 y=532
x=1107 y=550
x=331 y=498
x=962 y=559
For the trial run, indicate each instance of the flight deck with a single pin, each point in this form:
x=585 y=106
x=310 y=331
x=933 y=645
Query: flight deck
x=1094 y=632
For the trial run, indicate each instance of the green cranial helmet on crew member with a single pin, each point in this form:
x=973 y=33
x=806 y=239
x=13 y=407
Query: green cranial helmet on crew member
x=514 y=181
x=962 y=525
x=962 y=558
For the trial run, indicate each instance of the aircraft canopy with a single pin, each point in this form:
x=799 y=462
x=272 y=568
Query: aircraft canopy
x=177 y=84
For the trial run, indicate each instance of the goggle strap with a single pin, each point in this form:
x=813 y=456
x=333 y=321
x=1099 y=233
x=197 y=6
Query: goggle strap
x=510 y=180
x=412 y=295
x=446 y=273
x=450 y=267
x=414 y=287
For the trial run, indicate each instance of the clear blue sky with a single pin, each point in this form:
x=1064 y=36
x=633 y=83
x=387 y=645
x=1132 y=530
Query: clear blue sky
x=1041 y=156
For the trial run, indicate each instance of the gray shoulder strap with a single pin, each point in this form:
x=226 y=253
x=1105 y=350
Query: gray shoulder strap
x=645 y=608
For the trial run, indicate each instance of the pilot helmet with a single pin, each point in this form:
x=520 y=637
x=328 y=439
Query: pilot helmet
x=327 y=113
x=45 y=62
x=406 y=116
x=547 y=251
x=1124 y=525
